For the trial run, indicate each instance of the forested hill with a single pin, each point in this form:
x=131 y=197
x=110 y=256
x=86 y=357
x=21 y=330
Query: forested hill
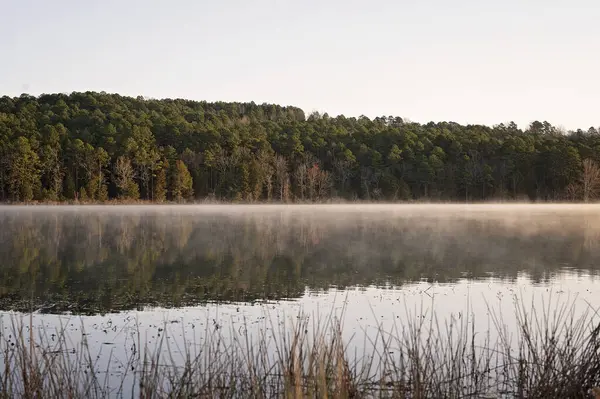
x=97 y=146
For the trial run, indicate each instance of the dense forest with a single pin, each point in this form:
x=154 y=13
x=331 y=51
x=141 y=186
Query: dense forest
x=97 y=147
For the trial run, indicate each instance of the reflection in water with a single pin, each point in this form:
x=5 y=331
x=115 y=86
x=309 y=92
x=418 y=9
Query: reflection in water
x=101 y=259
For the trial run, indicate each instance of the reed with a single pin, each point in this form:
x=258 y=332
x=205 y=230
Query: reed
x=554 y=352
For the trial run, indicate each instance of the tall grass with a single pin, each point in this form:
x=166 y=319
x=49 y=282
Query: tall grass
x=554 y=352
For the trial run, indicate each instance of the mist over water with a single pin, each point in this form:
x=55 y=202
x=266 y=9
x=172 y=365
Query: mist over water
x=95 y=259
x=193 y=269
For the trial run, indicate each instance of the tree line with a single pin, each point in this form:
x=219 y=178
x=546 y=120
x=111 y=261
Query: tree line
x=98 y=147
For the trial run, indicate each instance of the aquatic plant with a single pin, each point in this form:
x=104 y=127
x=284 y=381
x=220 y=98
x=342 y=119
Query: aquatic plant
x=554 y=352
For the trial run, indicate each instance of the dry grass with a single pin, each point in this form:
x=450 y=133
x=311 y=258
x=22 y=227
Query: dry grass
x=553 y=354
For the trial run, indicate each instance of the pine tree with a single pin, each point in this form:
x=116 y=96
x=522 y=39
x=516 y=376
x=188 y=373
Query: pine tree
x=181 y=182
x=159 y=193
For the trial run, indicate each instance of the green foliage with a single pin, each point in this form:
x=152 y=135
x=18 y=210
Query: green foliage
x=159 y=193
x=82 y=194
x=24 y=174
x=102 y=193
x=181 y=182
x=54 y=145
x=69 y=190
x=132 y=191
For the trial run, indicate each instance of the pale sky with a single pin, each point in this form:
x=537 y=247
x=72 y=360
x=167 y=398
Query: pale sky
x=467 y=61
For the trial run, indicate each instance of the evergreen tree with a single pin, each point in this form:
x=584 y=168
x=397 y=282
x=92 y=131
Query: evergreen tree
x=181 y=182
x=24 y=176
x=160 y=184
x=58 y=147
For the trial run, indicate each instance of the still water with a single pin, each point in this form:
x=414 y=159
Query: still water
x=187 y=271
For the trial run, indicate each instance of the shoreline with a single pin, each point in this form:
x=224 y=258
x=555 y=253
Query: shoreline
x=291 y=203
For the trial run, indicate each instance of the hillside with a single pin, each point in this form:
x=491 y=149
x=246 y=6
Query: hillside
x=97 y=146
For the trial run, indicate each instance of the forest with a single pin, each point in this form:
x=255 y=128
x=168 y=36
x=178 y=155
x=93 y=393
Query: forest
x=98 y=147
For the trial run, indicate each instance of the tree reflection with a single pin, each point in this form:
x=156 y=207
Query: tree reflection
x=99 y=260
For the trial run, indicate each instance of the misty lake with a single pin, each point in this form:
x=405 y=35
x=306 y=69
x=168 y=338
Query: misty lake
x=114 y=273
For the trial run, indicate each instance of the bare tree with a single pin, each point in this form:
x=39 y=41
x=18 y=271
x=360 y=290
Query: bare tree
x=281 y=176
x=300 y=178
x=269 y=182
x=52 y=170
x=224 y=163
x=286 y=190
x=263 y=175
x=124 y=174
x=312 y=177
x=323 y=184
x=590 y=180
x=343 y=172
x=318 y=182
x=369 y=180
x=573 y=192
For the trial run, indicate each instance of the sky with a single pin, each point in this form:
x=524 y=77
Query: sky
x=466 y=61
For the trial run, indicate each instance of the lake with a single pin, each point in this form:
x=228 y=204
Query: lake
x=122 y=279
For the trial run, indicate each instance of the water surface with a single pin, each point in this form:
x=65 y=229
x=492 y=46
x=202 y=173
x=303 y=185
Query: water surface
x=197 y=269
x=103 y=259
